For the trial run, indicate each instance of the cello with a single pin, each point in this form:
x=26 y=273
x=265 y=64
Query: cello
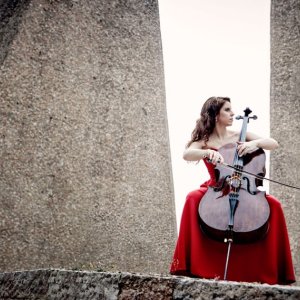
x=233 y=209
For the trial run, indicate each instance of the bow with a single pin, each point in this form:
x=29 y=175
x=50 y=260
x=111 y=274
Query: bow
x=256 y=176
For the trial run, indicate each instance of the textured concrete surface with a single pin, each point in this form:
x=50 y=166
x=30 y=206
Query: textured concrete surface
x=85 y=173
x=285 y=111
x=10 y=16
x=60 y=284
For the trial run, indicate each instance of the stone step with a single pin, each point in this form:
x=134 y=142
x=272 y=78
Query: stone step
x=67 y=284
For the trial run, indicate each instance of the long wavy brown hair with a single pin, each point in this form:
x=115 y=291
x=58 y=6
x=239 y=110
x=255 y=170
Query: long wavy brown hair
x=207 y=121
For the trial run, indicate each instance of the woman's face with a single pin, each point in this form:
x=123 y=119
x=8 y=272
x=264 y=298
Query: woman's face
x=225 y=116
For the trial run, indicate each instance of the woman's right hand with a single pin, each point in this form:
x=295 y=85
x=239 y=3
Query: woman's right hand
x=214 y=156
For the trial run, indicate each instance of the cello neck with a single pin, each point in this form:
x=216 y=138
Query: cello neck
x=243 y=132
x=245 y=118
x=238 y=161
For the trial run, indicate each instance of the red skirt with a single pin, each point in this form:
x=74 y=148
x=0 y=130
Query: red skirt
x=265 y=261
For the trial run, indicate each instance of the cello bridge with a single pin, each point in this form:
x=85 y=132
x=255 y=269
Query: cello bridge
x=235 y=181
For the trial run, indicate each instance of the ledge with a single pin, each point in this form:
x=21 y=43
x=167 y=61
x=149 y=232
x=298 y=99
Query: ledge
x=65 y=284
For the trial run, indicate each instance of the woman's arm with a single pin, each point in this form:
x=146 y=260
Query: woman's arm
x=254 y=141
x=195 y=152
x=264 y=143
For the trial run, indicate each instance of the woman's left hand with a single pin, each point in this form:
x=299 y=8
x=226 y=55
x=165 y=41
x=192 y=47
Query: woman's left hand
x=244 y=148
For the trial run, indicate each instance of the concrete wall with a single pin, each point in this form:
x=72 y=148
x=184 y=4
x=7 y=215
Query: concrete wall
x=285 y=112
x=85 y=175
x=60 y=284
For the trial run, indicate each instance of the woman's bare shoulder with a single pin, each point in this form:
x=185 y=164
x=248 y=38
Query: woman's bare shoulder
x=197 y=145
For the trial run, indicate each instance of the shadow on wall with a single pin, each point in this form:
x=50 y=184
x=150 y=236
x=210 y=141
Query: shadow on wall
x=10 y=16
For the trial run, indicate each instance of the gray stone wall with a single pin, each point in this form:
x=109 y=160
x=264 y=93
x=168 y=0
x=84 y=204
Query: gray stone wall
x=10 y=17
x=85 y=175
x=285 y=111
x=59 y=284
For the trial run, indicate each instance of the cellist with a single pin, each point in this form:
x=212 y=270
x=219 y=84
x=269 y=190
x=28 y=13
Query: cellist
x=267 y=260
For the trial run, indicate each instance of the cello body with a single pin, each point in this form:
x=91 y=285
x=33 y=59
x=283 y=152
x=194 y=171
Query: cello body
x=233 y=208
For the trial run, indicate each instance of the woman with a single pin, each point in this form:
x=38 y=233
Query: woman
x=267 y=260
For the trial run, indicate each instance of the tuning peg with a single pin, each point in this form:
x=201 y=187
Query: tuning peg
x=253 y=117
x=239 y=117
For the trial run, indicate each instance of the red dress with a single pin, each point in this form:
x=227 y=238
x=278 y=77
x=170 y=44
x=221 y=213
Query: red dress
x=265 y=261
